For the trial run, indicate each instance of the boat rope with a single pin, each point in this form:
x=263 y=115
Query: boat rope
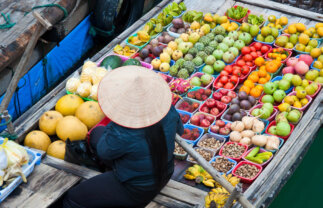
x=8 y=23
x=64 y=10
x=6 y=134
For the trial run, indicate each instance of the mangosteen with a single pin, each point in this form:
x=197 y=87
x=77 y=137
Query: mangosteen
x=148 y=59
x=161 y=39
x=148 y=47
x=156 y=51
x=154 y=42
x=168 y=39
x=242 y=95
x=144 y=53
x=172 y=29
x=245 y=104
x=233 y=109
x=243 y=113
x=252 y=100
x=236 y=116
x=138 y=58
x=181 y=30
x=235 y=101
x=227 y=117
x=178 y=23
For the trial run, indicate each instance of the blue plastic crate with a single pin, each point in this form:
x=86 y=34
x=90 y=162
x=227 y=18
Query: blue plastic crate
x=281 y=142
x=271 y=43
x=311 y=67
x=34 y=159
x=277 y=78
x=184 y=113
x=225 y=136
x=191 y=127
x=302 y=52
x=233 y=161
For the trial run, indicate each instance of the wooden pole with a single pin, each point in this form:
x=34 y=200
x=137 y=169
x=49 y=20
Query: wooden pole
x=235 y=194
x=215 y=174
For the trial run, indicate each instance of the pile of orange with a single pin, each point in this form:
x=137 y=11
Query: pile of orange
x=261 y=76
x=251 y=88
x=271 y=66
x=278 y=53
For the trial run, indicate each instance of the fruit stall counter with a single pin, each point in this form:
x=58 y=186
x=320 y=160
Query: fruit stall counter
x=177 y=193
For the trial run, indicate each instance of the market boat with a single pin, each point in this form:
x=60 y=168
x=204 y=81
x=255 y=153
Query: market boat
x=178 y=192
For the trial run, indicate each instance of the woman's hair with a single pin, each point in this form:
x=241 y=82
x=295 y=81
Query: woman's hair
x=156 y=140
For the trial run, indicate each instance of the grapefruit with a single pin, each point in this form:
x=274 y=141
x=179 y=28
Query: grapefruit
x=57 y=149
x=68 y=104
x=72 y=128
x=38 y=140
x=48 y=121
x=89 y=113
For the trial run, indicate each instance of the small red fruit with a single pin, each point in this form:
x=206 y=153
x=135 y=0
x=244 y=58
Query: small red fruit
x=208 y=92
x=234 y=79
x=195 y=120
x=224 y=131
x=224 y=79
x=228 y=85
x=249 y=64
x=217 y=95
x=228 y=68
x=259 y=53
x=209 y=118
x=221 y=106
x=226 y=99
x=220 y=123
x=254 y=55
x=257 y=45
x=201 y=91
x=248 y=57
x=252 y=49
x=241 y=62
x=223 y=91
x=218 y=85
x=215 y=129
x=264 y=49
x=245 y=50
x=205 y=109
x=210 y=103
x=245 y=70
x=205 y=123
x=195 y=105
x=237 y=72
x=232 y=94
x=204 y=97
x=224 y=73
x=214 y=111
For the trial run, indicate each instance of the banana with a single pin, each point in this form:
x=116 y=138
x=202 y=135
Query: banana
x=199 y=179
x=208 y=183
x=207 y=200
x=207 y=175
x=189 y=177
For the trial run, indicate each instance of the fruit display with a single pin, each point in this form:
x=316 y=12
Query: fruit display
x=139 y=39
x=200 y=94
x=253 y=19
x=222 y=164
x=293 y=116
x=178 y=150
x=226 y=82
x=213 y=107
x=233 y=150
x=249 y=54
x=184 y=117
x=191 y=134
x=201 y=80
x=318 y=62
x=278 y=23
x=258 y=156
x=281 y=127
x=307 y=45
x=210 y=142
x=298 y=99
x=286 y=41
x=237 y=13
x=202 y=120
x=295 y=28
x=278 y=53
x=264 y=111
x=205 y=153
x=125 y=50
x=179 y=86
x=234 y=69
x=246 y=170
x=187 y=105
x=192 y=15
x=267 y=34
x=198 y=174
x=253 y=30
x=224 y=95
x=244 y=101
x=221 y=127
x=298 y=65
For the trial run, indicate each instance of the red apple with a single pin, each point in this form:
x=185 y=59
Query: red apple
x=204 y=97
x=205 y=123
x=223 y=91
x=232 y=94
x=209 y=118
x=214 y=111
x=264 y=49
x=215 y=129
x=208 y=92
x=224 y=131
x=205 y=109
x=226 y=99
x=221 y=106
x=210 y=103
x=195 y=120
x=220 y=123
x=217 y=95
x=228 y=125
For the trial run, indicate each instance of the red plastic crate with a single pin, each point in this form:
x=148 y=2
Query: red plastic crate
x=239 y=20
x=283 y=137
x=236 y=159
x=246 y=180
x=272 y=116
x=220 y=113
x=309 y=98
x=260 y=151
x=217 y=79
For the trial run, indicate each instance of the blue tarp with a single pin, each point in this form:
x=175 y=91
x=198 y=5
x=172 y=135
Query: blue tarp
x=45 y=74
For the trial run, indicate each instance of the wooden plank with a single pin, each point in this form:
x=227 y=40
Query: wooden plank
x=44 y=186
x=285 y=8
x=170 y=202
x=154 y=205
x=205 y=5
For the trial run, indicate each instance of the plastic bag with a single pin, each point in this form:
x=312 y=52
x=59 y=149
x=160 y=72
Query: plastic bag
x=16 y=154
x=73 y=83
x=88 y=64
x=3 y=159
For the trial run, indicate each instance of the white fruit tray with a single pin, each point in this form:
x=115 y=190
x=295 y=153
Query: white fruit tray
x=34 y=159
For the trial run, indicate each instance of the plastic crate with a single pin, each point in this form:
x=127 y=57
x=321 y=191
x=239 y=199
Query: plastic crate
x=317 y=91
x=238 y=158
x=217 y=79
x=260 y=151
x=277 y=78
x=189 y=101
x=207 y=150
x=312 y=67
x=309 y=98
x=200 y=74
x=225 y=112
x=280 y=30
x=185 y=113
x=283 y=137
x=302 y=52
x=275 y=103
x=277 y=46
x=34 y=159
x=290 y=52
x=216 y=137
x=220 y=113
x=125 y=58
x=294 y=123
x=131 y=47
x=233 y=161
x=239 y=20
x=201 y=131
x=246 y=180
x=140 y=47
x=281 y=142
x=195 y=89
x=206 y=114
x=220 y=135
x=173 y=34
x=270 y=43
x=252 y=68
x=272 y=116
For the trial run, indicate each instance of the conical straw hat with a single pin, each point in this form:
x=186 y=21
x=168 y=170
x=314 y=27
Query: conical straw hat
x=134 y=97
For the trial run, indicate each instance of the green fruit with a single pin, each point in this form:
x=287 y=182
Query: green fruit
x=208 y=69
x=206 y=79
x=274 y=32
x=254 y=30
x=273 y=130
x=195 y=81
x=288 y=77
x=310 y=90
x=293 y=116
x=283 y=129
x=312 y=75
x=269 y=39
x=319 y=80
x=245 y=27
x=282 y=117
x=268 y=99
x=131 y=62
x=111 y=62
x=284 y=85
x=296 y=80
x=265 y=113
x=279 y=95
x=293 y=39
x=268 y=106
x=256 y=112
x=269 y=88
x=289 y=45
x=313 y=43
x=260 y=38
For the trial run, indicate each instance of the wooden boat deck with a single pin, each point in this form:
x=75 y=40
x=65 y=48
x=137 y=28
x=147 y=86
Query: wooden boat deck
x=175 y=194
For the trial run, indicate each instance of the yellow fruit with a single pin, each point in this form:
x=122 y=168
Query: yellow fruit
x=72 y=84
x=206 y=28
x=172 y=45
x=292 y=29
x=284 y=107
x=315 y=35
x=38 y=140
x=272 y=18
x=164 y=67
x=184 y=37
x=318 y=25
x=86 y=75
x=304 y=101
x=156 y=63
x=300 y=27
x=300 y=94
x=223 y=19
x=283 y=20
x=72 y=128
x=303 y=39
x=315 y=52
x=308 y=32
x=297 y=104
x=68 y=104
x=48 y=122
x=88 y=64
x=289 y=99
x=318 y=65
x=321 y=49
x=89 y=113
x=165 y=57
x=84 y=89
x=195 y=25
x=320 y=31
x=57 y=149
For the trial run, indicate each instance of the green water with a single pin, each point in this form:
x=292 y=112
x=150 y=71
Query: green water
x=305 y=187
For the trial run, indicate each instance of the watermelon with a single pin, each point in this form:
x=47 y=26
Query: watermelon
x=111 y=62
x=131 y=62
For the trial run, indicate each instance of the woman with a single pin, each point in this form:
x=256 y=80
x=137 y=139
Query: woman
x=138 y=143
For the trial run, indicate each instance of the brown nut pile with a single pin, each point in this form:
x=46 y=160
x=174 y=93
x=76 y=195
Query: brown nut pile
x=233 y=150
x=210 y=143
x=207 y=155
x=247 y=171
x=222 y=164
x=179 y=150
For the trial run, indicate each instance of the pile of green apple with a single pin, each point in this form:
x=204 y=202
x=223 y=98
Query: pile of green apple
x=268 y=34
x=253 y=30
x=264 y=112
x=315 y=75
x=286 y=41
x=292 y=116
x=201 y=81
x=275 y=91
x=282 y=127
